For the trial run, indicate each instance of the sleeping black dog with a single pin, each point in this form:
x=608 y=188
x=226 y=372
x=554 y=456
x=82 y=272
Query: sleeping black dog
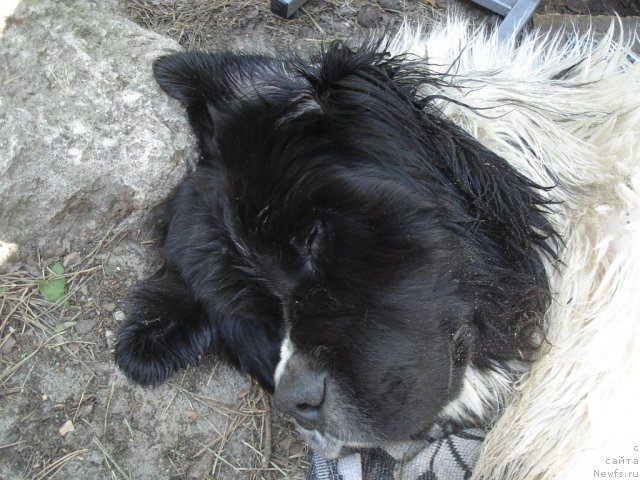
x=357 y=253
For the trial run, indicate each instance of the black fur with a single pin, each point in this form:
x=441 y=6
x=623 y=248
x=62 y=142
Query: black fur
x=332 y=201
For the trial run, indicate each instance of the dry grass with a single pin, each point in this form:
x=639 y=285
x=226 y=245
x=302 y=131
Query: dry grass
x=50 y=470
x=22 y=306
x=265 y=437
x=206 y=24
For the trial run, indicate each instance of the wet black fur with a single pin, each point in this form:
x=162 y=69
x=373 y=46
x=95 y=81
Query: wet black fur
x=333 y=198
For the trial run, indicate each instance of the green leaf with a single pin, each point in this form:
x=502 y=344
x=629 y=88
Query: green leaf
x=61 y=327
x=52 y=290
x=57 y=268
x=53 y=287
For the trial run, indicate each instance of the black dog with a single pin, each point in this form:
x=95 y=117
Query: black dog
x=340 y=241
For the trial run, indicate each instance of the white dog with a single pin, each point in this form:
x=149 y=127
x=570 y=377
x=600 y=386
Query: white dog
x=567 y=113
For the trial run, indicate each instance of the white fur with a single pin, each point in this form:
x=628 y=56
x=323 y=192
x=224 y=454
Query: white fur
x=286 y=350
x=581 y=132
x=484 y=393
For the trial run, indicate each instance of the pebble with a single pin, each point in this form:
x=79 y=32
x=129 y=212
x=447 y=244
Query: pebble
x=66 y=428
x=85 y=410
x=345 y=11
x=296 y=448
x=110 y=338
x=8 y=345
x=11 y=438
x=71 y=259
x=85 y=326
x=391 y=5
x=202 y=467
x=368 y=16
x=109 y=307
x=119 y=316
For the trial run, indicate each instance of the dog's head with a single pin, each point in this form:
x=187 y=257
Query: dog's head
x=394 y=248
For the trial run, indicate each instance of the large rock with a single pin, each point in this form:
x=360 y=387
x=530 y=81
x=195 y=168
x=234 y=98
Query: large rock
x=86 y=136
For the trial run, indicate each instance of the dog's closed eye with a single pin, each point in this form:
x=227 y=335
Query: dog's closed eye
x=312 y=246
x=315 y=239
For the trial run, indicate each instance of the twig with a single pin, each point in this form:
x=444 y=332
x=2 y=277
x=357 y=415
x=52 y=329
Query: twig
x=109 y=458
x=266 y=449
x=215 y=404
x=58 y=464
x=235 y=469
x=173 y=397
x=75 y=415
x=208 y=446
x=4 y=376
x=128 y=427
x=320 y=29
x=106 y=413
x=12 y=444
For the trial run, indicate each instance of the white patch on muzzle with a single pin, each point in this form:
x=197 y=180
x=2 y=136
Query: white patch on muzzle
x=286 y=350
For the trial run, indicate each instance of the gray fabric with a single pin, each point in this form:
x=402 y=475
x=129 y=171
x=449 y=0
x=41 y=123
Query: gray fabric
x=448 y=453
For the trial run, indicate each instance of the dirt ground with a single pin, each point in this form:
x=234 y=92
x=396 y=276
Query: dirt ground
x=215 y=24
x=65 y=409
x=57 y=371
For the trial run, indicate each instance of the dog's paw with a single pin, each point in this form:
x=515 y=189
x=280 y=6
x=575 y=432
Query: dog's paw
x=145 y=355
x=167 y=330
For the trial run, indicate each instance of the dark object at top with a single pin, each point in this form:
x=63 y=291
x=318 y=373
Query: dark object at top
x=516 y=12
x=286 y=8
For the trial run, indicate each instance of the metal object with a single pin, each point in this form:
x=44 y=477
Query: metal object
x=516 y=19
x=501 y=7
x=516 y=12
x=286 y=8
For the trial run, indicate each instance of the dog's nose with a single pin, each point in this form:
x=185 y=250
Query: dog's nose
x=302 y=396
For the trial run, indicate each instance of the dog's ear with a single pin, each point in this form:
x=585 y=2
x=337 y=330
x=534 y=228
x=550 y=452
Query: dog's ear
x=505 y=201
x=210 y=83
x=507 y=225
x=196 y=78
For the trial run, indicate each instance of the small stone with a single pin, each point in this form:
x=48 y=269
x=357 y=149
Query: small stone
x=244 y=393
x=71 y=260
x=286 y=442
x=109 y=307
x=95 y=457
x=11 y=438
x=202 y=467
x=45 y=397
x=104 y=367
x=368 y=16
x=119 y=316
x=8 y=345
x=345 y=10
x=394 y=5
x=66 y=428
x=191 y=416
x=7 y=250
x=296 y=448
x=86 y=409
x=110 y=337
x=85 y=326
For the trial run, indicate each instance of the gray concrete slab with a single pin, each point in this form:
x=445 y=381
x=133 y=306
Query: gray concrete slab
x=630 y=26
